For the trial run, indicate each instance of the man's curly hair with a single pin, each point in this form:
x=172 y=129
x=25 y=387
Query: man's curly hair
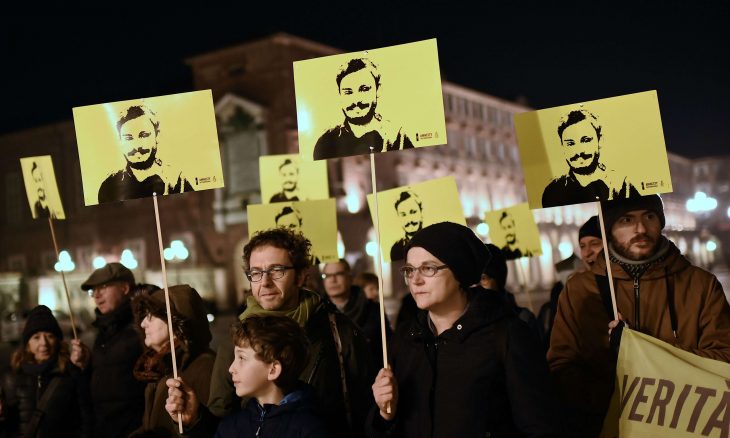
x=295 y=244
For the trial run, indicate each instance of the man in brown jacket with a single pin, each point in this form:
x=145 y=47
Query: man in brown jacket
x=658 y=292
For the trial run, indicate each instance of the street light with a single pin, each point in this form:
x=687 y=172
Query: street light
x=64 y=263
x=483 y=229
x=98 y=262
x=176 y=253
x=701 y=203
x=711 y=245
x=128 y=259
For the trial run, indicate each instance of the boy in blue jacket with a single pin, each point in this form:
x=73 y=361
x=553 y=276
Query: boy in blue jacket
x=270 y=352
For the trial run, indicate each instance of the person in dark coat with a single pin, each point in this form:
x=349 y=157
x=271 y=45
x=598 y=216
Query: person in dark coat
x=195 y=359
x=117 y=397
x=351 y=300
x=340 y=366
x=467 y=366
x=44 y=395
x=269 y=354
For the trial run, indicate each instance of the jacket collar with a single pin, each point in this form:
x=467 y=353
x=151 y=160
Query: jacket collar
x=485 y=307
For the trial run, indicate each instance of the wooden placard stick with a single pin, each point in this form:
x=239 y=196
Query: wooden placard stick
x=63 y=277
x=167 y=304
x=608 y=260
x=379 y=265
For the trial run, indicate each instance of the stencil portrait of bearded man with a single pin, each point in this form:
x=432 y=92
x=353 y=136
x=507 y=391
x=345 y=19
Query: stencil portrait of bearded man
x=139 y=134
x=588 y=178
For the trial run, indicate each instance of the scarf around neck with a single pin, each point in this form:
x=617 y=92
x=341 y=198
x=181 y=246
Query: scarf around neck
x=637 y=268
x=308 y=303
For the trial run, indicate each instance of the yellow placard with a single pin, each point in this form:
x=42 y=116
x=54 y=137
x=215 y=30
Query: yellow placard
x=134 y=148
x=41 y=188
x=286 y=178
x=514 y=231
x=403 y=211
x=664 y=391
x=389 y=99
x=316 y=220
x=609 y=148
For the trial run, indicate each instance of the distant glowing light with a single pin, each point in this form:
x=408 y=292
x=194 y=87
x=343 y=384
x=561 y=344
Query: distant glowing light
x=711 y=245
x=98 y=262
x=483 y=229
x=128 y=259
x=371 y=248
x=64 y=262
x=210 y=317
x=176 y=251
x=702 y=203
x=352 y=199
x=304 y=119
x=566 y=249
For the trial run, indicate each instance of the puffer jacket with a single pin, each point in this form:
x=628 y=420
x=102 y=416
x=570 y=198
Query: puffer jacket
x=67 y=412
x=581 y=361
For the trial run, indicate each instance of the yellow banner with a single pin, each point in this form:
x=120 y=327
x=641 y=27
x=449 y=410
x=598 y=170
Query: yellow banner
x=286 y=178
x=316 y=220
x=664 y=391
x=41 y=187
x=513 y=229
x=403 y=211
x=388 y=98
x=134 y=148
x=608 y=148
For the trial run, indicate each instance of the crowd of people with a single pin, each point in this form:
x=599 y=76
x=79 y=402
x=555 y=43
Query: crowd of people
x=464 y=359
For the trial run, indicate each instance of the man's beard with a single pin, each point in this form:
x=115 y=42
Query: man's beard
x=288 y=188
x=41 y=195
x=587 y=170
x=362 y=120
x=624 y=249
x=146 y=164
x=511 y=239
x=410 y=234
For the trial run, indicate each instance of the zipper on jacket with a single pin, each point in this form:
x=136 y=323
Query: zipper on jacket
x=38 y=390
x=637 y=307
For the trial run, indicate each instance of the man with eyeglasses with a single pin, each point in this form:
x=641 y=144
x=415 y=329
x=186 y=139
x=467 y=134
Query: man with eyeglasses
x=340 y=367
x=118 y=398
x=351 y=300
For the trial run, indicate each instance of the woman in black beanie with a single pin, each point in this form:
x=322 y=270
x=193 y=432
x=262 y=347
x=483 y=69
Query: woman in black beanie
x=467 y=366
x=44 y=395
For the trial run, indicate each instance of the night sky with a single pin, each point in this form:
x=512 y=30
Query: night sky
x=545 y=55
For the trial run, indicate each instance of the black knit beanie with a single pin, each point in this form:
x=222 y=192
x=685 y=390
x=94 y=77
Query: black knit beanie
x=497 y=266
x=41 y=319
x=613 y=210
x=590 y=228
x=458 y=247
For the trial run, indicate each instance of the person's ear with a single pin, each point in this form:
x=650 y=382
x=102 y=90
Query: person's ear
x=126 y=288
x=274 y=370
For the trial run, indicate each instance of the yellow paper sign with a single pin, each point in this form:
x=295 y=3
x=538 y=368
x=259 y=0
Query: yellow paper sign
x=514 y=230
x=134 y=148
x=664 y=391
x=316 y=220
x=41 y=188
x=285 y=178
x=608 y=148
x=404 y=211
x=389 y=99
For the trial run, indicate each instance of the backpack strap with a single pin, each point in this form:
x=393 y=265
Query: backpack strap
x=40 y=409
x=605 y=290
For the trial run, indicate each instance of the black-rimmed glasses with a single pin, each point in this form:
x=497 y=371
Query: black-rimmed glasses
x=275 y=273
